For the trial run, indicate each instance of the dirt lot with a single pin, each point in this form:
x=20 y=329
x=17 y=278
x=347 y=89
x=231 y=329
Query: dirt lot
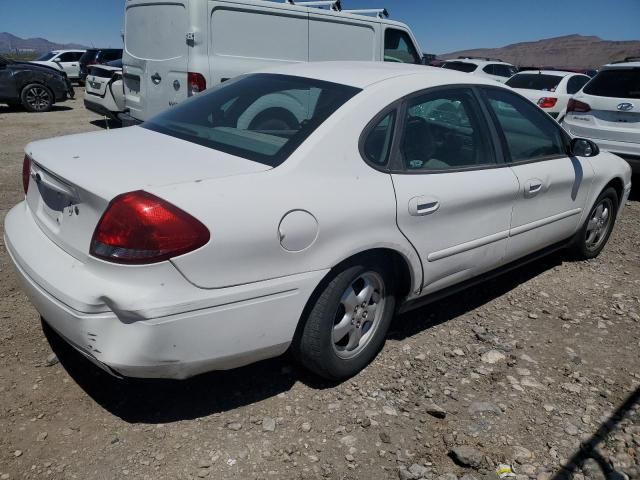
x=520 y=370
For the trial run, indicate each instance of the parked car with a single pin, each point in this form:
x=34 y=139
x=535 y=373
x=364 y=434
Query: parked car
x=549 y=89
x=607 y=110
x=66 y=60
x=233 y=37
x=97 y=56
x=35 y=87
x=215 y=235
x=485 y=67
x=104 y=92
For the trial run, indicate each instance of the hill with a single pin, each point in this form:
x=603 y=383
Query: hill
x=11 y=43
x=574 y=51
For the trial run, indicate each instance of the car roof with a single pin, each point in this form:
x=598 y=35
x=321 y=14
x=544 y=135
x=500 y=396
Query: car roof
x=363 y=74
x=621 y=65
x=557 y=73
x=478 y=61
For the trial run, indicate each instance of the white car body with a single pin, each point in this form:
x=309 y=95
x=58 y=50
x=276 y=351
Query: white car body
x=276 y=233
x=494 y=69
x=612 y=120
x=66 y=60
x=554 y=99
x=227 y=38
x=104 y=90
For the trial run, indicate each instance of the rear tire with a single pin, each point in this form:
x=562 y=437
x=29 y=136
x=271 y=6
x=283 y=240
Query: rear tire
x=347 y=323
x=595 y=232
x=35 y=97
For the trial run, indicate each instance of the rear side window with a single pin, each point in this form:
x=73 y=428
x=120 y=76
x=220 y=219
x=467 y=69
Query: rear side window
x=617 y=83
x=444 y=130
x=499 y=70
x=528 y=131
x=535 y=81
x=262 y=117
x=398 y=47
x=377 y=145
x=460 y=66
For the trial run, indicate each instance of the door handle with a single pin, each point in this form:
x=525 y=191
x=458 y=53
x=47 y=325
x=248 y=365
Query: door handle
x=419 y=206
x=533 y=187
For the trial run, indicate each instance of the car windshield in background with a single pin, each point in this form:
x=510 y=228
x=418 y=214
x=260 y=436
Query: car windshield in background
x=262 y=117
x=535 y=81
x=45 y=57
x=460 y=66
x=617 y=83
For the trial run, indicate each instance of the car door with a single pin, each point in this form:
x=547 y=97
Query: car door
x=454 y=198
x=553 y=187
x=69 y=62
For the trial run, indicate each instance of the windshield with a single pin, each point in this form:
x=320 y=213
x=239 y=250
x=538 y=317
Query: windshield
x=617 y=83
x=460 y=66
x=46 y=56
x=535 y=81
x=262 y=117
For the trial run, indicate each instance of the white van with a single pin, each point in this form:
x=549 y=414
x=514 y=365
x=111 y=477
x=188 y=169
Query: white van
x=174 y=49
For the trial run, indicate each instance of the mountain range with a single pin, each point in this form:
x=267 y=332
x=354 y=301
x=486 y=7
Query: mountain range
x=571 y=51
x=11 y=43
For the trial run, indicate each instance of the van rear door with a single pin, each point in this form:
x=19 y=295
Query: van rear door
x=156 y=56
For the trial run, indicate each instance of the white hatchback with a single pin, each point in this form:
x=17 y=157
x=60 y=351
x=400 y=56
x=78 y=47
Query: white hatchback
x=607 y=110
x=299 y=207
x=549 y=89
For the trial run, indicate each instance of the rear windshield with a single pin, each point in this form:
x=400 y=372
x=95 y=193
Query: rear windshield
x=535 y=81
x=617 y=83
x=88 y=56
x=460 y=66
x=262 y=117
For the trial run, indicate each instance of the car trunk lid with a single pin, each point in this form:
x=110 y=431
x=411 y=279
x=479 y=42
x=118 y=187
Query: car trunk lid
x=73 y=179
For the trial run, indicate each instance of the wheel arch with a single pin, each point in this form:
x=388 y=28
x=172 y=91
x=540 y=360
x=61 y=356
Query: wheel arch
x=618 y=185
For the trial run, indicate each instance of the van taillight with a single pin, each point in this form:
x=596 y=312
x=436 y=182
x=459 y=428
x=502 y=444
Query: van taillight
x=196 y=83
x=577 y=106
x=139 y=228
x=26 y=173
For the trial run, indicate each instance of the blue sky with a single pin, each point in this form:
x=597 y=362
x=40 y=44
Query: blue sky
x=440 y=25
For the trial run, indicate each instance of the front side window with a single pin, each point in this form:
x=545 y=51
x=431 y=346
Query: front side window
x=398 y=47
x=67 y=57
x=377 y=145
x=528 y=131
x=262 y=117
x=46 y=57
x=575 y=83
x=616 y=83
x=444 y=130
x=460 y=66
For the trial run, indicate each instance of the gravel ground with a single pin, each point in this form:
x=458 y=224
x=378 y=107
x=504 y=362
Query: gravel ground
x=521 y=370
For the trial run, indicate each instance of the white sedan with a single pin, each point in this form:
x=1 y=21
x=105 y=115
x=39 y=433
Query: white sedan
x=549 y=89
x=219 y=233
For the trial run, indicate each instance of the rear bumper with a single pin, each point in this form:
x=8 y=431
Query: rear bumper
x=100 y=109
x=127 y=120
x=196 y=331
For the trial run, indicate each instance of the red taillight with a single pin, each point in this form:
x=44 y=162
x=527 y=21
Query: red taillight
x=26 y=173
x=138 y=227
x=577 y=106
x=196 y=83
x=547 y=102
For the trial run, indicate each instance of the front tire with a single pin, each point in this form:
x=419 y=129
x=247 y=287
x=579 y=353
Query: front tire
x=594 y=234
x=347 y=324
x=36 y=98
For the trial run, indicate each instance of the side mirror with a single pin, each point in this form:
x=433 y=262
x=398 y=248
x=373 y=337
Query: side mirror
x=581 y=147
x=57 y=60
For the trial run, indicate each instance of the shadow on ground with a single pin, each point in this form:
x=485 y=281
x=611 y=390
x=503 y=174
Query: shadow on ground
x=589 y=449
x=161 y=401
x=106 y=123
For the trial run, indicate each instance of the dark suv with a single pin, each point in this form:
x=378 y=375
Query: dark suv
x=36 y=87
x=97 y=56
